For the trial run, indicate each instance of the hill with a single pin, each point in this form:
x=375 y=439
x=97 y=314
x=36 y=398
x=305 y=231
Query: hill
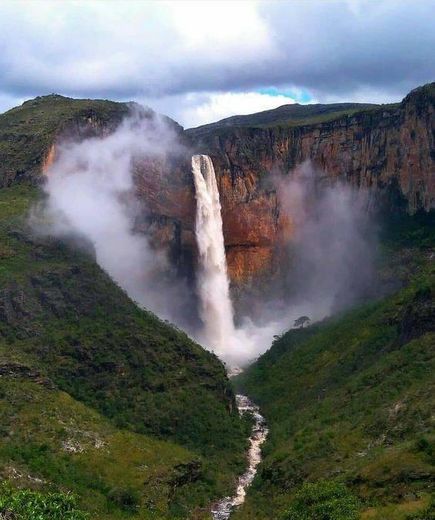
x=285 y=115
x=28 y=131
x=81 y=366
x=351 y=399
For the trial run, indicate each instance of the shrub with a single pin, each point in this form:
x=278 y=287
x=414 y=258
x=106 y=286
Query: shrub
x=323 y=500
x=127 y=499
x=32 y=505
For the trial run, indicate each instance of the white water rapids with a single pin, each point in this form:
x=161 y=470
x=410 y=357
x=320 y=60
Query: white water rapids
x=222 y=510
x=216 y=312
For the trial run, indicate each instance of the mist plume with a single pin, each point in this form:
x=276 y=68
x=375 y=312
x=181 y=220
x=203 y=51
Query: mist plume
x=333 y=249
x=91 y=194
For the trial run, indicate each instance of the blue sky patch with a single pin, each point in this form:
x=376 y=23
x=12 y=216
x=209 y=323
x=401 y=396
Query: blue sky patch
x=300 y=96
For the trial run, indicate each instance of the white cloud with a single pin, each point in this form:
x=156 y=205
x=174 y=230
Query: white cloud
x=215 y=27
x=127 y=47
x=219 y=106
x=192 y=110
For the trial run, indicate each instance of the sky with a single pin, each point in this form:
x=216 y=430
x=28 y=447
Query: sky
x=200 y=61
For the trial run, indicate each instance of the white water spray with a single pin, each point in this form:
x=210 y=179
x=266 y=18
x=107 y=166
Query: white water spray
x=213 y=285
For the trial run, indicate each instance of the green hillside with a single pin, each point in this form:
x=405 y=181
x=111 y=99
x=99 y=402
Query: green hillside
x=351 y=400
x=28 y=131
x=80 y=362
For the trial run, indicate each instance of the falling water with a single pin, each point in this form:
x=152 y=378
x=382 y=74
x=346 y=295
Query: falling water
x=215 y=304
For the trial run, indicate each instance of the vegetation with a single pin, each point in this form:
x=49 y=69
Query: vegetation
x=28 y=131
x=302 y=321
x=352 y=397
x=83 y=367
x=286 y=115
x=323 y=500
x=32 y=505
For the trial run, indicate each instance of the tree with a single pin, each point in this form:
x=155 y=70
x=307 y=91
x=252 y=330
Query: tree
x=302 y=321
x=323 y=500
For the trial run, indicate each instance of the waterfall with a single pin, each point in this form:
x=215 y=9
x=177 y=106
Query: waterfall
x=216 y=310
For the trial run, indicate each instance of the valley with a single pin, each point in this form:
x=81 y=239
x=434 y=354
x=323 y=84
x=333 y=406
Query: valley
x=140 y=263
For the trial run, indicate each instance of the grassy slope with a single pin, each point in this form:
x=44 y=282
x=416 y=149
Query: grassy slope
x=353 y=397
x=47 y=435
x=61 y=315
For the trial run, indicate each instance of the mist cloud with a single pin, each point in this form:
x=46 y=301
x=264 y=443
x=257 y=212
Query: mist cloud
x=333 y=250
x=91 y=195
x=328 y=265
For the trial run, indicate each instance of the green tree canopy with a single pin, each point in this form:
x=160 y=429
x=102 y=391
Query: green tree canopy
x=32 y=505
x=302 y=321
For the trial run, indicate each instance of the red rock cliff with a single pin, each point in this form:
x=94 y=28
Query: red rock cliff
x=389 y=150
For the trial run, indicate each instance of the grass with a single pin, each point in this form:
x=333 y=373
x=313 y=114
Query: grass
x=53 y=443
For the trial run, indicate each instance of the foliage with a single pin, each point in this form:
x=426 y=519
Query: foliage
x=323 y=500
x=126 y=498
x=33 y=505
x=302 y=321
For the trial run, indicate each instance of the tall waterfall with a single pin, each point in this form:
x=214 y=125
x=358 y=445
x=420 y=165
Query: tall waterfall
x=213 y=286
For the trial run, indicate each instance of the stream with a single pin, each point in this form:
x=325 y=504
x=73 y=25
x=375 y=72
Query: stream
x=222 y=510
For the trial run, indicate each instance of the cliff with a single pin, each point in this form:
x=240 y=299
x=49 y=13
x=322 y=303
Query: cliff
x=388 y=149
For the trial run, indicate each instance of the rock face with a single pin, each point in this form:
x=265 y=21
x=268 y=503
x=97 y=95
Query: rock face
x=389 y=150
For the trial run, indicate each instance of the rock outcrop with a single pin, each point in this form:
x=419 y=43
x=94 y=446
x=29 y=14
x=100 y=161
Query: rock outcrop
x=389 y=148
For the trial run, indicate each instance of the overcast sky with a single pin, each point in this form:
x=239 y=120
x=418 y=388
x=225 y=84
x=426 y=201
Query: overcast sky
x=200 y=61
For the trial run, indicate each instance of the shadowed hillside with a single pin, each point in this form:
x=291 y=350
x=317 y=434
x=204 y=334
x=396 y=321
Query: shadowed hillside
x=351 y=398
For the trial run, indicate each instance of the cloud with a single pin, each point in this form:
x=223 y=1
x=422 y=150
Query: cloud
x=91 y=196
x=198 y=109
x=179 y=49
x=127 y=48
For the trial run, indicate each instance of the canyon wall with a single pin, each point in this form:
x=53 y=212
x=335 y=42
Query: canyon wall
x=388 y=149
